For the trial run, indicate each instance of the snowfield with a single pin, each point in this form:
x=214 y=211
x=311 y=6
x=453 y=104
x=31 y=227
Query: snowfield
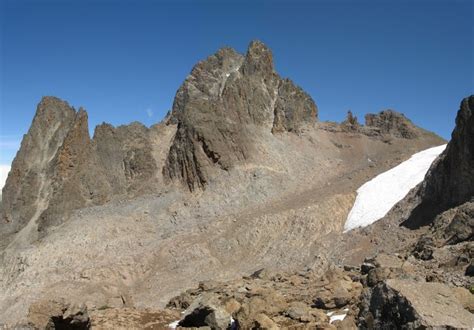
x=377 y=196
x=4 y=169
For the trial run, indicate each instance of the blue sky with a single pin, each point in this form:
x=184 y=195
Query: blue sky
x=124 y=60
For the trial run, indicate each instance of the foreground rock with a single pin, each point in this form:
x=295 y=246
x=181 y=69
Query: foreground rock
x=408 y=304
x=267 y=300
x=58 y=315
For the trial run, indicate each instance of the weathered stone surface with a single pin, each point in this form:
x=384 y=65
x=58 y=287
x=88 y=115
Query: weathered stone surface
x=132 y=318
x=58 y=315
x=465 y=297
x=220 y=104
x=127 y=154
x=351 y=124
x=26 y=191
x=76 y=179
x=262 y=321
x=206 y=311
x=455 y=225
x=392 y=123
x=59 y=168
x=293 y=107
x=338 y=292
x=408 y=304
x=299 y=311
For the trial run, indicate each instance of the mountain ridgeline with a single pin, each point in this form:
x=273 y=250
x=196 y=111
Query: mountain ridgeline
x=216 y=111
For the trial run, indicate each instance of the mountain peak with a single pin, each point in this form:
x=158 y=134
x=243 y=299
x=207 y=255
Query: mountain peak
x=259 y=59
x=218 y=105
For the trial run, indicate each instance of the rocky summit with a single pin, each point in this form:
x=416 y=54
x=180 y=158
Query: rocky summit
x=230 y=214
x=224 y=100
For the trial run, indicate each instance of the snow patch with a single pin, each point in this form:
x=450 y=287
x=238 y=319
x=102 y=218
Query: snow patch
x=377 y=196
x=4 y=169
x=339 y=317
x=173 y=325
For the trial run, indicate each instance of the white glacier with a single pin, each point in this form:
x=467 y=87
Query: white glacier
x=377 y=196
x=4 y=169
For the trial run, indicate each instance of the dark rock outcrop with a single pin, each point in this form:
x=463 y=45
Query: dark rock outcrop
x=59 y=168
x=450 y=180
x=127 y=154
x=293 y=106
x=27 y=189
x=350 y=124
x=219 y=106
x=76 y=178
x=455 y=225
x=407 y=304
x=45 y=314
x=392 y=123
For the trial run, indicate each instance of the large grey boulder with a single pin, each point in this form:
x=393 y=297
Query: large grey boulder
x=405 y=304
x=206 y=311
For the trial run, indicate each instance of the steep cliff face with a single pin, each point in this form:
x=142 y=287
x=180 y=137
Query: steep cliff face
x=450 y=181
x=59 y=168
x=76 y=178
x=126 y=153
x=225 y=98
x=28 y=188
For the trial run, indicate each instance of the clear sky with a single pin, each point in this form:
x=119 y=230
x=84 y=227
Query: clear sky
x=124 y=60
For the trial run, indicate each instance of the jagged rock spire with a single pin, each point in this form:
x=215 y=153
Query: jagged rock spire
x=450 y=180
x=215 y=108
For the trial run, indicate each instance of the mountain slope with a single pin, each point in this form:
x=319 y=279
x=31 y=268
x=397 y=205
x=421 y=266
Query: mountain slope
x=240 y=176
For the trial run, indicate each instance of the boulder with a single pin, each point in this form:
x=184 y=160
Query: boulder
x=299 y=311
x=267 y=301
x=206 y=311
x=46 y=314
x=262 y=321
x=397 y=303
x=465 y=297
x=470 y=269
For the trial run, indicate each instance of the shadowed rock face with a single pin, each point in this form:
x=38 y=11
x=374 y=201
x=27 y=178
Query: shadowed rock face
x=225 y=98
x=26 y=190
x=126 y=153
x=450 y=180
x=406 y=304
x=77 y=180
